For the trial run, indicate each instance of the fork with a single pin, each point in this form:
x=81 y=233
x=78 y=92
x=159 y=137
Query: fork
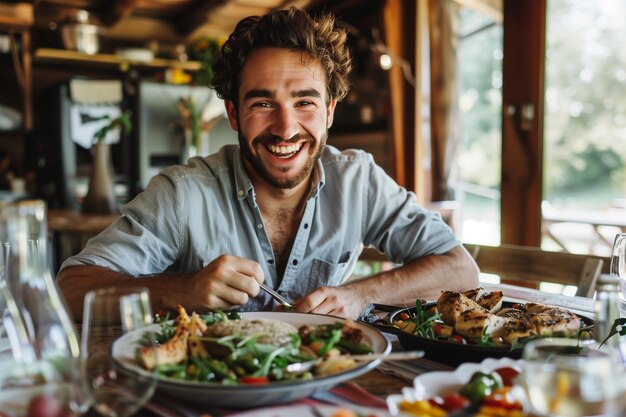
x=276 y=296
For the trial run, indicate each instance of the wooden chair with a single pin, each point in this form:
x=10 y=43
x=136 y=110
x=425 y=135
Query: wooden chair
x=528 y=266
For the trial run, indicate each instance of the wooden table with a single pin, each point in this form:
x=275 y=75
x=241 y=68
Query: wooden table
x=382 y=385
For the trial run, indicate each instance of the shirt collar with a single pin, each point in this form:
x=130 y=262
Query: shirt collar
x=243 y=185
x=318 y=179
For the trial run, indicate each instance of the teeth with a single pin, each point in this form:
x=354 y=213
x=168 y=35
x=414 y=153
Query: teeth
x=284 y=150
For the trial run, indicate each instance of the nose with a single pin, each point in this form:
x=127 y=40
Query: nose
x=284 y=123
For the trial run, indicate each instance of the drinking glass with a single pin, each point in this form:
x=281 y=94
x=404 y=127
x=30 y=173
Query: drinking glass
x=108 y=314
x=618 y=266
x=565 y=377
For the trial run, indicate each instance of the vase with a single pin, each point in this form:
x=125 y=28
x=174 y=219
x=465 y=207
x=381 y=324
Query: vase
x=100 y=196
x=189 y=149
x=194 y=146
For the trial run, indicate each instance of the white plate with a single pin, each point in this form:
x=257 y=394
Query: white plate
x=430 y=384
x=309 y=411
x=247 y=396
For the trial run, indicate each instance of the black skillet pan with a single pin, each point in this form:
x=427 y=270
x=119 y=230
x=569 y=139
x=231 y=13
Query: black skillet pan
x=449 y=352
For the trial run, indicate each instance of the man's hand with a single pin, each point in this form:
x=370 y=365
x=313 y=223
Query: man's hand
x=337 y=301
x=228 y=280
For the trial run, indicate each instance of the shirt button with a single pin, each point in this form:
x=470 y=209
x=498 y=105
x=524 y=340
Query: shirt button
x=306 y=225
x=270 y=261
x=295 y=262
x=259 y=226
x=241 y=193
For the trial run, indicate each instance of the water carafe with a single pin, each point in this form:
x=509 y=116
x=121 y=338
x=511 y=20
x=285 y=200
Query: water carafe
x=41 y=366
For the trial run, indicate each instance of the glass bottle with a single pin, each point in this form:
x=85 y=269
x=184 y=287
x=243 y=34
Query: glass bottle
x=607 y=310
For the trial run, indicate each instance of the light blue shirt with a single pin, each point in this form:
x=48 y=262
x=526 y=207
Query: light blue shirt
x=190 y=215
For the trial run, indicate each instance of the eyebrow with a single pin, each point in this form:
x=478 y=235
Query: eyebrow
x=309 y=92
x=258 y=93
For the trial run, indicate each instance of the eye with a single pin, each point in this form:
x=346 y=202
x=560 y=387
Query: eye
x=262 y=104
x=304 y=103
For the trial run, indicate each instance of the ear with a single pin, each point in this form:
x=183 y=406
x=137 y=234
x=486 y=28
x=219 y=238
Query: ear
x=231 y=112
x=330 y=113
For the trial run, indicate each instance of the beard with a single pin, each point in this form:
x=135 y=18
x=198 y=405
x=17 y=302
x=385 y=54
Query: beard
x=265 y=172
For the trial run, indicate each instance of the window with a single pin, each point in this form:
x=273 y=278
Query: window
x=476 y=182
x=584 y=184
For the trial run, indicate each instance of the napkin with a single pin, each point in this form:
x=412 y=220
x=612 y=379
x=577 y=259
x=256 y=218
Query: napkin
x=408 y=370
x=347 y=395
x=350 y=393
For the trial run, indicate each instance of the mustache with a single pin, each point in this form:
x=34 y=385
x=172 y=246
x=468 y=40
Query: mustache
x=275 y=140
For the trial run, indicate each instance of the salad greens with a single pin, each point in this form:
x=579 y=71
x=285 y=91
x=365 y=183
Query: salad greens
x=236 y=359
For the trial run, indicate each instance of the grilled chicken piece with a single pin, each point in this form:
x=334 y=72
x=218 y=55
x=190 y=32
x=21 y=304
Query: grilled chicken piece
x=491 y=301
x=472 y=323
x=473 y=294
x=171 y=352
x=548 y=320
x=512 y=313
x=452 y=304
x=470 y=317
x=516 y=328
x=196 y=328
x=183 y=318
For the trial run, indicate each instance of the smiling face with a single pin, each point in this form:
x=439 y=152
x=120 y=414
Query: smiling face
x=282 y=118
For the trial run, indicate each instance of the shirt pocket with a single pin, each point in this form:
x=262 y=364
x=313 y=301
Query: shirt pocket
x=324 y=273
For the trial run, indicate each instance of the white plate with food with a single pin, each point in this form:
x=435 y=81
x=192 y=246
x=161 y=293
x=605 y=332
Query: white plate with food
x=252 y=387
x=447 y=386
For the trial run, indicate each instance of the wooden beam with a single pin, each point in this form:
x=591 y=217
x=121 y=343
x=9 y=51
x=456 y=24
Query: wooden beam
x=198 y=16
x=63 y=57
x=112 y=14
x=444 y=123
x=16 y=16
x=27 y=87
x=393 y=36
x=421 y=51
x=522 y=151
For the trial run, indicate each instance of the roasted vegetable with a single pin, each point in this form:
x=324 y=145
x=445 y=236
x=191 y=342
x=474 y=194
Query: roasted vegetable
x=481 y=385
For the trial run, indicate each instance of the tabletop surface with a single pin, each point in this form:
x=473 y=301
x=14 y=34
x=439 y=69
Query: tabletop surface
x=375 y=385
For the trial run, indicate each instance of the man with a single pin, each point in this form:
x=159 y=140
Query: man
x=282 y=208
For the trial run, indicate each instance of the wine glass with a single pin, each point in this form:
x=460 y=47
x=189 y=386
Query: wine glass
x=109 y=313
x=618 y=265
x=565 y=377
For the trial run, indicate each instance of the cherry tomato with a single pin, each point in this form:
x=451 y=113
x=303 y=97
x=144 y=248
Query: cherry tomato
x=403 y=316
x=457 y=339
x=437 y=328
x=450 y=401
x=253 y=380
x=44 y=406
x=508 y=374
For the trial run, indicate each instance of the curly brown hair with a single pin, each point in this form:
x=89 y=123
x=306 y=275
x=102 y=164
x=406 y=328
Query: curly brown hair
x=317 y=38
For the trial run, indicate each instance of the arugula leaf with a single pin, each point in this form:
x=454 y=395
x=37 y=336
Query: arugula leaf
x=423 y=320
x=484 y=339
